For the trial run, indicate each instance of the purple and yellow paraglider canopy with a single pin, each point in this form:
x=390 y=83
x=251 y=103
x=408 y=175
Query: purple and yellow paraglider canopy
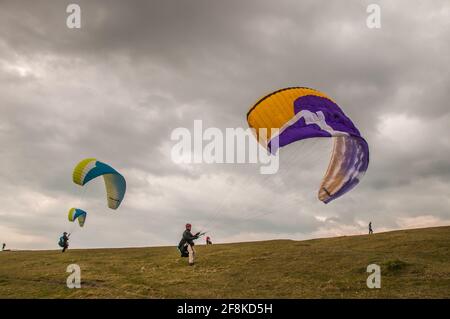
x=299 y=113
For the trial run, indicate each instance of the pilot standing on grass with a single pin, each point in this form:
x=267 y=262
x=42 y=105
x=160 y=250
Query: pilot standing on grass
x=64 y=241
x=189 y=239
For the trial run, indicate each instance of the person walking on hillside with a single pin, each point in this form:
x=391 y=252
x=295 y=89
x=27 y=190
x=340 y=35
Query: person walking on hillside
x=370 y=228
x=208 y=240
x=187 y=242
x=3 y=246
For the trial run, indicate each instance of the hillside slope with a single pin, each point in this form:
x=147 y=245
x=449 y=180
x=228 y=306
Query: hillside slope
x=414 y=264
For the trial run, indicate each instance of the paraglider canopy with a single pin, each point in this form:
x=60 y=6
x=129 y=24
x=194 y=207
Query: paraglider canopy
x=115 y=183
x=300 y=113
x=77 y=214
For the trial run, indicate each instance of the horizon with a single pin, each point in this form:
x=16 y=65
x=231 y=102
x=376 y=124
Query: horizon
x=240 y=242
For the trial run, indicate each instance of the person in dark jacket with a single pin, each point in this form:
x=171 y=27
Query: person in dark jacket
x=64 y=241
x=370 y=228
x=208 y=241
x=188 y=241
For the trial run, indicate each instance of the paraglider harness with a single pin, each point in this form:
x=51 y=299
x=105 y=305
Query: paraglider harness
x=62 y=241
x=183 y=246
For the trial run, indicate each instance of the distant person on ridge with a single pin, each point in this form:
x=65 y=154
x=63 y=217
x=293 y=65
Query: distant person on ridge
x=370 y=228
x=187 y=242
x=3 y=247
x=208 y=241
x=64 y=241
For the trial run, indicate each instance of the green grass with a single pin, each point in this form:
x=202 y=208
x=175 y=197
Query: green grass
x=414 y=264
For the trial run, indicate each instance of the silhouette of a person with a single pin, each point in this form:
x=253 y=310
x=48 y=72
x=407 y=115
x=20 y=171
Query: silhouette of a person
x=370 y=228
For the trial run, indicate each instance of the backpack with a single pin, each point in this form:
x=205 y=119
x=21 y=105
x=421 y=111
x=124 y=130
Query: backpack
x=61 y=241
x=183 y=249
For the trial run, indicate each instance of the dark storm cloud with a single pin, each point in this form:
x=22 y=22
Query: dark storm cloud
x=116 y=88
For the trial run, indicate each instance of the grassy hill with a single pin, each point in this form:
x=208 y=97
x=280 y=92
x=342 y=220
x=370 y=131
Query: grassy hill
x=414 y=264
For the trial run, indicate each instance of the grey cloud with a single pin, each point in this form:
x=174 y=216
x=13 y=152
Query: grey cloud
x=135 y=71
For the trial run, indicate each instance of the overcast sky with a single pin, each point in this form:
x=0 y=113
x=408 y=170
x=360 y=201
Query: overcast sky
x=136 y=70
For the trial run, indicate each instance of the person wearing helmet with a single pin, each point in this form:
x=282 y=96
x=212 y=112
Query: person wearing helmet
x=188 y=242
